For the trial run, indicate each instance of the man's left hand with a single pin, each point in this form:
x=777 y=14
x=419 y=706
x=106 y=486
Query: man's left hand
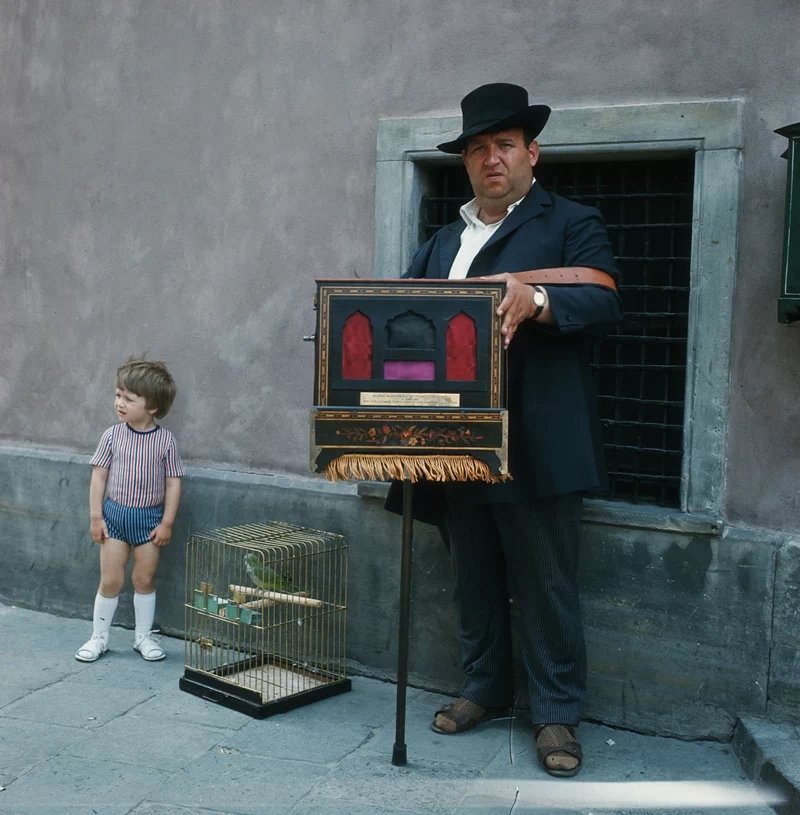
x=517 y=305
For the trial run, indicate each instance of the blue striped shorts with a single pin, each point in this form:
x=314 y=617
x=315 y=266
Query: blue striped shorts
x=133 y=525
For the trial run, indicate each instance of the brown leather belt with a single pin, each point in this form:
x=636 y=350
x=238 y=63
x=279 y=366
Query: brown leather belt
x=563 y=276
x=566 y=276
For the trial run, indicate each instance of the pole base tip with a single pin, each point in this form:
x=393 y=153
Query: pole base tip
x=399 y=755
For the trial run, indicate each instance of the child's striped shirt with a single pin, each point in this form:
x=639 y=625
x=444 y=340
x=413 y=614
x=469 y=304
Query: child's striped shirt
x=139 y=463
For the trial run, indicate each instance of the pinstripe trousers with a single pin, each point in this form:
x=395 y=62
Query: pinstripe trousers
x=535 y=545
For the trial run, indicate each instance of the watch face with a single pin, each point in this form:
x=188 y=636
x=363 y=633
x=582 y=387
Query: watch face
x=539 y=298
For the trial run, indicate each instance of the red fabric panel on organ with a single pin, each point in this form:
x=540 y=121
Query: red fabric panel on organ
x=357 y=347
x=462 y=349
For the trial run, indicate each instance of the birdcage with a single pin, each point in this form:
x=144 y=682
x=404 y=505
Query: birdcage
x=265 y=617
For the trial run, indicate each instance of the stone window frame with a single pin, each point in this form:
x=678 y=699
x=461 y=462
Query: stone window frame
x=712 y=131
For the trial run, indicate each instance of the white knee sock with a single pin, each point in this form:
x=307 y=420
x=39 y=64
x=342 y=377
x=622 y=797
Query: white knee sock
x=104 y=608
x=144 y=608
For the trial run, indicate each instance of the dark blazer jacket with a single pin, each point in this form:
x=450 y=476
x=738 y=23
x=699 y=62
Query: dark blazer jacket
x=554 y=431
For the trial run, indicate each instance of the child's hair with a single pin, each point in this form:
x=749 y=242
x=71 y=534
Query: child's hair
x=150 y=380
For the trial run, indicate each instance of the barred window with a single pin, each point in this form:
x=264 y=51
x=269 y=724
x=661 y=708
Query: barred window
x=640 y=371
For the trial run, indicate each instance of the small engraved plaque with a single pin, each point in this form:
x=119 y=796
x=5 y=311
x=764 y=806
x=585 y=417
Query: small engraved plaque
x=389 y=399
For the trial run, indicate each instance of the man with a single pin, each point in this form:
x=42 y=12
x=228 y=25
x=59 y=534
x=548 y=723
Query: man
x=527 y=528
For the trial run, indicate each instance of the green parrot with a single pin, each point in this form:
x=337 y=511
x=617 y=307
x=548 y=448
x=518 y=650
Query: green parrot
x=266 y=578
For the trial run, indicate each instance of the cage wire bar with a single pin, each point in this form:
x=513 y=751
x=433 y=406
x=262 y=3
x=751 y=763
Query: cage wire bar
x=640 y=370
x=265 y=616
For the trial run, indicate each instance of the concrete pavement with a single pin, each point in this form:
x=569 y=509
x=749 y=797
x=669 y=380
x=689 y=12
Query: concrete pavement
x=119 y=738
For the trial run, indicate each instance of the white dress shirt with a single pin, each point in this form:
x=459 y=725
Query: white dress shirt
x=475 y=236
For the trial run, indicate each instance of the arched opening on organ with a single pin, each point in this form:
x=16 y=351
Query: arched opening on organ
x=462 y=349
x=357 y=347
x=410 y=332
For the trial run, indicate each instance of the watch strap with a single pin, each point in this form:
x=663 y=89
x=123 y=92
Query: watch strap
x=539 y=308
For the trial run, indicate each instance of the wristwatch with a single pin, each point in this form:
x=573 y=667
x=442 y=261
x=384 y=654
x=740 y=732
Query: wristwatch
x=539 y=300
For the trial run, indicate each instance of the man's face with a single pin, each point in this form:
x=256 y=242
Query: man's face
x=499 y=166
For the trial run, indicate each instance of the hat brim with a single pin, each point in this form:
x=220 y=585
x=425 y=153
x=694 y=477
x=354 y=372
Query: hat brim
x=533 y=119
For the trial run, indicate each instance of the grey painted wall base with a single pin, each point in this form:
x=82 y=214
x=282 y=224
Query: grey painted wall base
x=784 y=689
x=679 y=620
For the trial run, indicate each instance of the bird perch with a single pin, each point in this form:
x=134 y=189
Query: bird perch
x=278 y=596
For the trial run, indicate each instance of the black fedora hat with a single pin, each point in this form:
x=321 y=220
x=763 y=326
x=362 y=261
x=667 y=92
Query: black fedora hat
x=494 y=107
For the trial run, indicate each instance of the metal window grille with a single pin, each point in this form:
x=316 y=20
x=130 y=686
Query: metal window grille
x=640 y=371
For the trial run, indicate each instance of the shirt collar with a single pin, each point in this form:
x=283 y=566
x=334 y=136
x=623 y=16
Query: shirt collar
x=469 y=212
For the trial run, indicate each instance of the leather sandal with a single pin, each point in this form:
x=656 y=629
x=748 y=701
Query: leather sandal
x=462 y=715
x=557 y=738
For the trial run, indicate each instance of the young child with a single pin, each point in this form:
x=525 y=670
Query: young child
x=138 y=470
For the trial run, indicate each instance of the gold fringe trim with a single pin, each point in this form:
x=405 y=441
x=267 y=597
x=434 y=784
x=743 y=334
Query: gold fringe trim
x=369 y=467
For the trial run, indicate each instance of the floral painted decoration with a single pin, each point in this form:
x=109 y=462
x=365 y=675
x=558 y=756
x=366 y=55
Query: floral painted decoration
x=412 y=436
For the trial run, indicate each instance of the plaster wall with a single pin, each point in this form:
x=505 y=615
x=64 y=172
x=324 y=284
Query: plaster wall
x=174 y=176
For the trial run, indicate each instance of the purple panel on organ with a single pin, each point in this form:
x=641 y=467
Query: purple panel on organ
x=407 y=369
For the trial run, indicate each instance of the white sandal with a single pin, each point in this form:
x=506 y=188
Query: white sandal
x=92 y=650
x=148 y=647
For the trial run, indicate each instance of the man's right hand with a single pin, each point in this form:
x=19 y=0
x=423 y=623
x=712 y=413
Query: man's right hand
x=98 y=530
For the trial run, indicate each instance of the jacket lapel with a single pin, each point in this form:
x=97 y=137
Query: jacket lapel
x=449 y=244
x=533 y=205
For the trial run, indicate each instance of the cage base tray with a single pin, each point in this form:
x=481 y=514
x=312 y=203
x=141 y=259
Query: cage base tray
x=255 y=703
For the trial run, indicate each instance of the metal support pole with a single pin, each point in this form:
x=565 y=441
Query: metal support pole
x=399 y=751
